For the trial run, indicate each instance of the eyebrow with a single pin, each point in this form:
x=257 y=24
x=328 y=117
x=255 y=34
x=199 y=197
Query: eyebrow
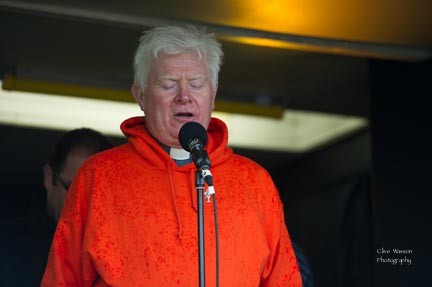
x=196 y=77
x=166 y=77
x=175 y=78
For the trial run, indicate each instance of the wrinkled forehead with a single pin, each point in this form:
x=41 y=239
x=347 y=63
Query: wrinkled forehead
x=185 y=63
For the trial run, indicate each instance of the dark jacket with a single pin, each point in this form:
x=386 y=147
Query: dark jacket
x=24 y=246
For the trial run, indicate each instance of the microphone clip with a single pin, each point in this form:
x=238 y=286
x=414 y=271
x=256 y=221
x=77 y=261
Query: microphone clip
x=208 y=178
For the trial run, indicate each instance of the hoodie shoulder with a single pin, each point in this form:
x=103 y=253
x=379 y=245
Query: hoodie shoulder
x=113 y=156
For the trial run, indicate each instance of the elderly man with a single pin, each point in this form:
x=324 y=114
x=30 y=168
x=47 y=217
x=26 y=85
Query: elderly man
x=130 y=217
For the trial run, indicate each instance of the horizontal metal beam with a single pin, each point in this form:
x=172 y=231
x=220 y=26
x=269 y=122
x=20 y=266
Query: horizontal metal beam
x=295 y=42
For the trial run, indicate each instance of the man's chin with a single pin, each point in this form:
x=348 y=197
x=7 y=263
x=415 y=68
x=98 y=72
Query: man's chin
x=171 y=139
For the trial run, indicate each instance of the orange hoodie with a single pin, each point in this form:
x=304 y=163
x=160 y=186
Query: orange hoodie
x=130 y=219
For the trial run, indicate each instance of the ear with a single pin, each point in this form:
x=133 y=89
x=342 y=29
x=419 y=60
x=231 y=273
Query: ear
x=214 y=96
x=138 y=95
x=48 y=177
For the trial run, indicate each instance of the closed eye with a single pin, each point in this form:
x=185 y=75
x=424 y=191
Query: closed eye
x=197 y=83
x=167 y=84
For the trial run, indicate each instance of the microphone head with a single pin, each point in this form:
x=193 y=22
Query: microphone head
x=192 y=131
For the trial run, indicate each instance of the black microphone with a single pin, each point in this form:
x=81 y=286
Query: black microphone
x=193 y=138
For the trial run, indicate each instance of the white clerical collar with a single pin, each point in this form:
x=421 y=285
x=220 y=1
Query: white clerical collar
x=179 y=154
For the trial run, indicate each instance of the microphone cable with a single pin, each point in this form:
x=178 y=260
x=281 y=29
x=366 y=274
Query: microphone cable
x=210 y=193
x=216 y=238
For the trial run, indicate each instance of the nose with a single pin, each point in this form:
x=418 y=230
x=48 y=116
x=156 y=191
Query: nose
x=183 y=95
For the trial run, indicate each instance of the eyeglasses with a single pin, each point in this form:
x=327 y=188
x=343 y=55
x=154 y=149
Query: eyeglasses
x=62 y=181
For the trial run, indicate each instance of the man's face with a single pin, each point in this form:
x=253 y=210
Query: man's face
x=54 y=181
x=178 y=91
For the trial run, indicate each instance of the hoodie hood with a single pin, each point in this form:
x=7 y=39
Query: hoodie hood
x=153 y=153
x=156 y=157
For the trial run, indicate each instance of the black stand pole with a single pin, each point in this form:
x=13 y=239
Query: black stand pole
x=201 y=262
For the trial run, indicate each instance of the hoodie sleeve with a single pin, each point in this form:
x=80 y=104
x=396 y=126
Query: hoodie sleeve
x=68 y=264
x=281 y=268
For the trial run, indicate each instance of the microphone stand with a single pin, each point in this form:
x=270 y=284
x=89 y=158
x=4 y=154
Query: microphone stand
x=200 y=189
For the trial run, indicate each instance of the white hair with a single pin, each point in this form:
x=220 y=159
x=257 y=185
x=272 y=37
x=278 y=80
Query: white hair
x=173 y=40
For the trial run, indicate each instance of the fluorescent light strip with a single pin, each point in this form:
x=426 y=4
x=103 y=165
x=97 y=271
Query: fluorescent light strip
x=63 y=112
x=297 y=131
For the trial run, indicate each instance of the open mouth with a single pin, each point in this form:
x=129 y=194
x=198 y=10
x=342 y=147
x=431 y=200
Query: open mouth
x=184 y=115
